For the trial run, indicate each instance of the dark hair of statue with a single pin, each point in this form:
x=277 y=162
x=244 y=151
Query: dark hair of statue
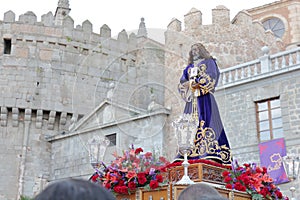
x=203 y=53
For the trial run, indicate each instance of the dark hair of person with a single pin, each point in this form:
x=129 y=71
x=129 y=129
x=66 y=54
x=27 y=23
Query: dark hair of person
x=74 y=189
x=203 y=53
x=200 y=191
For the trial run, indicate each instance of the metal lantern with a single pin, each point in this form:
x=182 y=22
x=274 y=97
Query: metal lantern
x=97 y=148
x=185 y=128
x=291 y=165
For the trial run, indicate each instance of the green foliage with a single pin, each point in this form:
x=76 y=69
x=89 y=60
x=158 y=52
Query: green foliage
x=151 y=90
x=26 y=198
x=69 y=39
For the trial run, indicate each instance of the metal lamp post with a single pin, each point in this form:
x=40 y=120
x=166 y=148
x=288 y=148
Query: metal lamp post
x=185 y=128
x=292 y=165
x=97 y=147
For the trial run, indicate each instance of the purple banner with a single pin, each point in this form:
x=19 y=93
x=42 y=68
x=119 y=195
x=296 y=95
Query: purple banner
x=271 y=157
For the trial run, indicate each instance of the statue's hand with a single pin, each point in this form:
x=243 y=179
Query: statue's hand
x=194 y=85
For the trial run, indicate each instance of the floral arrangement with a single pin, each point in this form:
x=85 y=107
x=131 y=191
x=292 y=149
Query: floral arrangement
x=252 y=179
x=131 y=170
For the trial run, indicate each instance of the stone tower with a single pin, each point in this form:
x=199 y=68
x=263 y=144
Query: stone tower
x=62 y=11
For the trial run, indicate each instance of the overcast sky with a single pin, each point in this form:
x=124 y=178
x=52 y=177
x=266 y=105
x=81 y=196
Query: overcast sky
x=126 y=14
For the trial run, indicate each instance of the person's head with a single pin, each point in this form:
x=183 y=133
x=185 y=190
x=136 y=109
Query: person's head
x=200 y=191
x=198 y=51
x=74 y=189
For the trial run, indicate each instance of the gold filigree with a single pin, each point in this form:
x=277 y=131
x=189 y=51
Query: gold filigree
x=206 y=143
x=205 y=83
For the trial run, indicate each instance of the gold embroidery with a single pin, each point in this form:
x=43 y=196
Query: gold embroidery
x=206 y=142
x=205 y=84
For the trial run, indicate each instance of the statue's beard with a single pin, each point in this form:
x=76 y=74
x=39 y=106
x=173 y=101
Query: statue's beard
x=196 y=57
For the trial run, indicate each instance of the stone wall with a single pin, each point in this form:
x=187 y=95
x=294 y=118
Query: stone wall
x=237 y=109
x=231 y=43
x=60 y=63
x=25 y=154
x=58 y=74
x=70 y=152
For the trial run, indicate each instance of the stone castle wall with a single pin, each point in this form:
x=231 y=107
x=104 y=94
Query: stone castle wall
x=54 y=75
x=61 y=62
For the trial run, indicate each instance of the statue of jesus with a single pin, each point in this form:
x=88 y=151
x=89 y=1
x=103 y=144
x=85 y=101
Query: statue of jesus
x=199 y=79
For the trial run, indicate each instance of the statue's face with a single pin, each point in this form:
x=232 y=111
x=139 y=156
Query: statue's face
x=195 y=52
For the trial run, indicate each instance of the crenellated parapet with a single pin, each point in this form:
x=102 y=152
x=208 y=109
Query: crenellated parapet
x=193 y=19
x=48 y=66
x=48 y=26
x=80 y=39
x=221 y=16
x=231 y=42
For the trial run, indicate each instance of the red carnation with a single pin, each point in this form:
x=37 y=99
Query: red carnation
x=141 y=178
x=227 y=179
x=238 y=186
x=153 y=184
x=243 y=188
x=225 y=173
x=148 y=155
x=245 y=179
x=138 y=150
x=121 y=182
x=141 y=174
x=121 y=189
x=259 y=170
x=95 y=176
x=278 y=194
x=159 y=178
x=265 y=192
x=228 y=186
x=132 y=185
x=265 y=170
x=247 y=165
x=107 y=185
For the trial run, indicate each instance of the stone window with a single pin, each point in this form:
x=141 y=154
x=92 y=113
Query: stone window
x=269 y=119
x=275 y=25
x=7 y=46
x=112 y=138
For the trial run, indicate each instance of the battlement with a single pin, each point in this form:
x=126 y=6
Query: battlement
x=46 y=58
x=231 y=42
x=27 y=24
x=193 y=19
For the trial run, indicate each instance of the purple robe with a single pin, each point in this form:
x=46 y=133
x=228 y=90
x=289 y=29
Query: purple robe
x=210 y=139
